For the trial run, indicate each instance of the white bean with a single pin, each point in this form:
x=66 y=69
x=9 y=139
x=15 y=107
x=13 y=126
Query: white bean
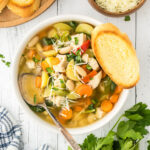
x=33 y=41
x=65 y=50
x=80 y=71
x=70 y=85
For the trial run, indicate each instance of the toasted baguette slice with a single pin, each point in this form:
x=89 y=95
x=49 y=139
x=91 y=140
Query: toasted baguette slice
x=24 y=11
x=23 y=3
x=3 y=4
x=116 y=55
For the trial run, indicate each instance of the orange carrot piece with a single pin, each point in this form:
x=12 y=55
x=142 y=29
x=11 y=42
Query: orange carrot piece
x=48 y=47
x=118 y=89
x=89 y=76
x=66 y=113
x=55 y=61
x=106 y=106
x=38 y=82
x=44 y=65
x=84 y=89
x=88 y=101
x=31 y=53
x=114 y=98
x=78 y=108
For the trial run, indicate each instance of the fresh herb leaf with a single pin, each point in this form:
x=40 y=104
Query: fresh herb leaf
x=37 y=108
x=88 y=67
x=35 y=60
x=34 y=99
x=112 y=87
x=89 y=143
x=148 y=148
x=7 y=63
x=47 y=41
x=69 y=148
x=49 y=70
x=2 y=56
x=76 y=40
x=78 y=52
x=129 y=132
x=69 y=37
x=94 y=101
x=127 y=18
x=71 y=56
x=55 y=89
x=78 y=59
x=73 y=24
x=62 y=81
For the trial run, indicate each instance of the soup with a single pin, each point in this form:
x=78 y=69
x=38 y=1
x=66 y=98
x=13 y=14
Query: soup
x=62 y=71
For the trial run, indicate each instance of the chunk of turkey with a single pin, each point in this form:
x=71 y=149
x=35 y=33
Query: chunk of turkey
x=61 y=67
x=81 y=39
x=65 y=50
x=96 y=80
x=30 y=64
x=93 y=63
x=57 y=82
x=85 y=58
x=70 y=85
x=99 y=113
x=58 y=100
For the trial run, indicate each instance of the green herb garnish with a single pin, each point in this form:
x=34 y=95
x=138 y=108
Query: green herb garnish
x=69 y=37
x=34 y=99
x=76 y=40
x=88 y=67
x=73 y=24
x=148 y=148
x=131 y=128
x=7 y=63
x=35 y=60
x=49 y=70
x=47 y=41
x=55 y=89
x=2 y=56
x=127 y=18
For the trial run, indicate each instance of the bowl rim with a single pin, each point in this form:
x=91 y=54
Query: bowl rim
x=32 y=32
x=113 y=14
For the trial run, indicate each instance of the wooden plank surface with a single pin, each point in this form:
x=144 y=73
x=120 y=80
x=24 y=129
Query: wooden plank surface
x=138 y=30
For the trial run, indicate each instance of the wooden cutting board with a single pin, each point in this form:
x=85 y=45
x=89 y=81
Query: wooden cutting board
x=9 y=19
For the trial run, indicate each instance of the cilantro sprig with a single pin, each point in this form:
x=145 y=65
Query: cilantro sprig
x=130 y=130
x=7 y=63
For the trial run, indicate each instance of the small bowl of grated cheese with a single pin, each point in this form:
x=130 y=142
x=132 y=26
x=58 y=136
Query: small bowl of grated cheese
x=116 y=7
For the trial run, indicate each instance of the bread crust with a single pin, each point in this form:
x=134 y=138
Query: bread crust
x=110 y=28
x=3 y=4
x=21 y=4
x=24 y=11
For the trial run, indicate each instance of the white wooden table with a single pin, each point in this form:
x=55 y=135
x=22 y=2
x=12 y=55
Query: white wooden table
x=138 y=30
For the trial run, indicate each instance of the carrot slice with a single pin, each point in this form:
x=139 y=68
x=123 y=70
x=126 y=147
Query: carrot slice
x=31 y=53
x=106 y=106
x=55 y=61
x=48 y=47
x=89 y=76
x=84 y=89
x=38 y=82
x=66 y=113
x=118 y=89
x=114 y=98
x=44 y=65
x=78 y=108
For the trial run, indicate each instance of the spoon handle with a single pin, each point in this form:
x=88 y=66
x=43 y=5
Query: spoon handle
x=65 y=133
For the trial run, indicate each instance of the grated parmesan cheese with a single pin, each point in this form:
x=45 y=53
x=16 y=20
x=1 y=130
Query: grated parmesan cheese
x=117 y=6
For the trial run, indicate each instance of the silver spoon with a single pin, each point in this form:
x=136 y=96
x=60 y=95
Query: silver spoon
x=25 y=94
